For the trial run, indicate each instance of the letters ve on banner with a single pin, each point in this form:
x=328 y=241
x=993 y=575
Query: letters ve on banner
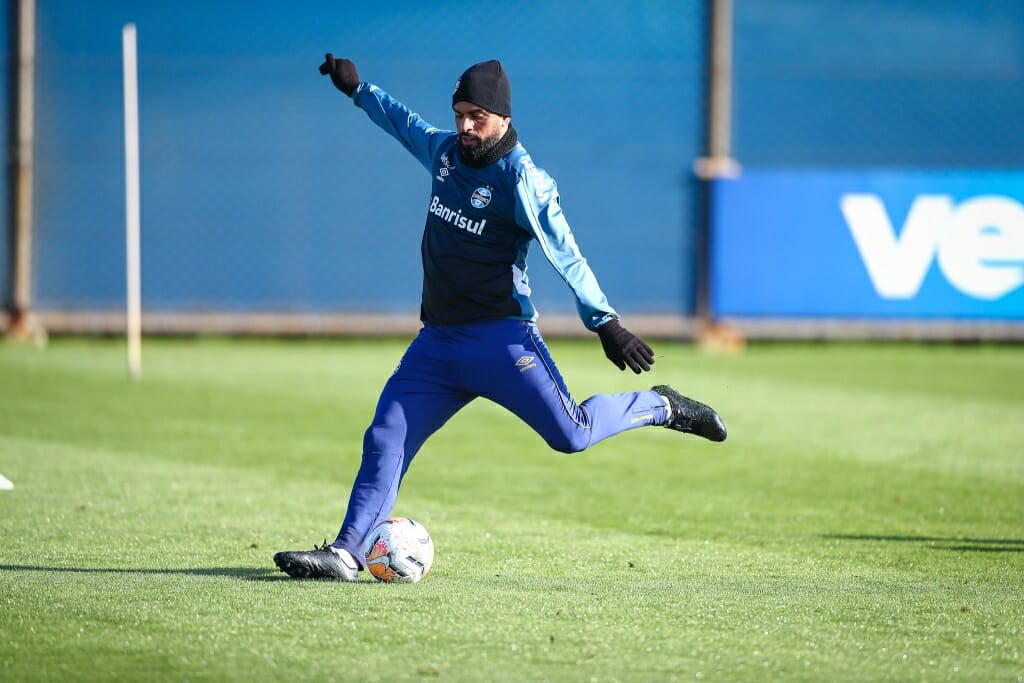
x=932 y=245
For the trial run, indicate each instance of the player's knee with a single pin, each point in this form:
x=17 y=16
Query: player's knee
x=569 y=440
x=383 y=439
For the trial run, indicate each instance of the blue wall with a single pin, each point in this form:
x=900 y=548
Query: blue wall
x=263 y=188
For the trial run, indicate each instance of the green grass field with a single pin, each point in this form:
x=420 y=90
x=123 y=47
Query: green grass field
x=864 y=521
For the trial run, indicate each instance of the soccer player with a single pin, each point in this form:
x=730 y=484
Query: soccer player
x=488 y=203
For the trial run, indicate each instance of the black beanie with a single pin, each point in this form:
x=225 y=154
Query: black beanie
x=485 y=85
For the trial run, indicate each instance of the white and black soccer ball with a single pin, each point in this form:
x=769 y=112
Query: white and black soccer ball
x=398 y=550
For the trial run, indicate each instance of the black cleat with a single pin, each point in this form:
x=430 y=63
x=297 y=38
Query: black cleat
x=692 y=417
x=319 y=563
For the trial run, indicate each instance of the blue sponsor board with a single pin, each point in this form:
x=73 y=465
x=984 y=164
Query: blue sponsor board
x=885 y=244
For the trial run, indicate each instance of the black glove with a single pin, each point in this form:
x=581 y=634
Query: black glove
x=343 y=73
x=625 y=348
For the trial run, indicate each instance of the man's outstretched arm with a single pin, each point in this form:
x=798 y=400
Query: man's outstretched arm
x=417 y=136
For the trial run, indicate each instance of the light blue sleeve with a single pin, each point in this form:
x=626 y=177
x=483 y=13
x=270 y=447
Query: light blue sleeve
x=539 y=212
x=416 y=135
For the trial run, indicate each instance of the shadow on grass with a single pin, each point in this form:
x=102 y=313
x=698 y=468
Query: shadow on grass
x=247 y=573
x=975 y=545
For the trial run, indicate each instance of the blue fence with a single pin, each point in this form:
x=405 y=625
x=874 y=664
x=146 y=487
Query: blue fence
x=264 y=189
x=935 y=83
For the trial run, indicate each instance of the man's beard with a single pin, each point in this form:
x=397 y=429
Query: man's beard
x=483 y=147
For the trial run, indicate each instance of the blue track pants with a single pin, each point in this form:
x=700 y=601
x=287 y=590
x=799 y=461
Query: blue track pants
x=446 y=367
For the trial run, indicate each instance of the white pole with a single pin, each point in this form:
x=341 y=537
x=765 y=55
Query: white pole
x=131 y=168
x=22 y=293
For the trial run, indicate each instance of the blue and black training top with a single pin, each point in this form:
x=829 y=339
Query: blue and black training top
x=480 y=223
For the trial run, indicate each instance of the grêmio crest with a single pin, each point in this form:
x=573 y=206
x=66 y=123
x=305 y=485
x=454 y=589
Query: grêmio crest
x=481 y=197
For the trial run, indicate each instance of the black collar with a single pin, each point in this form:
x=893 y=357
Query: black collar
x=503 y=147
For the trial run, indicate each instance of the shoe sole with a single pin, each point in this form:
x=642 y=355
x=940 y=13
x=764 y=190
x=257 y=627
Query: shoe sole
x=296 y=571
x=708 y=425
